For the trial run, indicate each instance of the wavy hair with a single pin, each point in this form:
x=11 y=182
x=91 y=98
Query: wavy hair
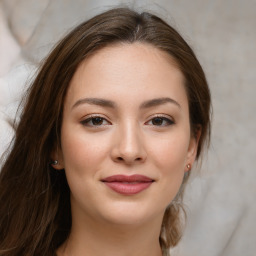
x=34 y=196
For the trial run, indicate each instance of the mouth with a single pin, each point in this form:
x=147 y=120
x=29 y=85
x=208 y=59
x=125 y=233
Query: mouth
x=128 y=185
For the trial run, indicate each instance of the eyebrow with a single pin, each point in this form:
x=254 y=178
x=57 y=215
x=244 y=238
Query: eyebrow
x=111 y=104
x=95 y=101
x=159 y=101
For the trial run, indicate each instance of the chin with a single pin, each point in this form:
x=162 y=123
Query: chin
x=131 y=213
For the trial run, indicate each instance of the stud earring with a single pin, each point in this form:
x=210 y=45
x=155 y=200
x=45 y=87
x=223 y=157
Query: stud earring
x=189 y=167
x=55 y=162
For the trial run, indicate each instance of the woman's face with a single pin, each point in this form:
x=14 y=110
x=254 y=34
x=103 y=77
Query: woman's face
x=125 y=139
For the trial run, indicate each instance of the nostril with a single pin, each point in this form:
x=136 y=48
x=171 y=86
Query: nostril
x=121 y=159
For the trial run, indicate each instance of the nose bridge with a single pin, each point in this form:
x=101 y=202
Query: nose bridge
x=129 y=137
x=130 y=146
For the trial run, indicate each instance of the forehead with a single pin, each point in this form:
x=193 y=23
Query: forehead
x=128 y=71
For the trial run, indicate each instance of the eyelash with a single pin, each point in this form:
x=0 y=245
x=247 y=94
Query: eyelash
x=86 y=121
x=163 y=118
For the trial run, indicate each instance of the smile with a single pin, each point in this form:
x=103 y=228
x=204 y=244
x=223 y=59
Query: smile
x=128 y=185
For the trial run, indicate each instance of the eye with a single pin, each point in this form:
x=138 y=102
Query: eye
x=95 y=121
x=160 y=121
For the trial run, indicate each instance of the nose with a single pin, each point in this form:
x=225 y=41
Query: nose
x=128 y=146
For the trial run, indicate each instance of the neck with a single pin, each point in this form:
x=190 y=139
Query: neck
x=89 y=237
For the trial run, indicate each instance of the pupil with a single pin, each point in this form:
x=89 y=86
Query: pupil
x=97 y=120
x=157 y=121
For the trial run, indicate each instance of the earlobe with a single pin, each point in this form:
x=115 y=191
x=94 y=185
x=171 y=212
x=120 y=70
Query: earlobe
x=192 y=149
x=57 y=160
x=56 y=165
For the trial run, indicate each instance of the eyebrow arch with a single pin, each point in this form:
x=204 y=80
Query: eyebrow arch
x=95 y=101
x=158 y=101
x=111 y=104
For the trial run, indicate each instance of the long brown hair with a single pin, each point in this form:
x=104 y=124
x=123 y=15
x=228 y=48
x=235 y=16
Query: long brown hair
x=35 y=215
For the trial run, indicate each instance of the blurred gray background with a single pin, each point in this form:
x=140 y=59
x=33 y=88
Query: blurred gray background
x=220 y=198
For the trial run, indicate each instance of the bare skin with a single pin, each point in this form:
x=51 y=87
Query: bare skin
x=116 y=241
x=126 y=113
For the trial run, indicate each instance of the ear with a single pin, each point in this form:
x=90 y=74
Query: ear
x=57 y=159
x=192 y=148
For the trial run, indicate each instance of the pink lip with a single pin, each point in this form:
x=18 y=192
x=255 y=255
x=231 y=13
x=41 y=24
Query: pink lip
x=128 y=185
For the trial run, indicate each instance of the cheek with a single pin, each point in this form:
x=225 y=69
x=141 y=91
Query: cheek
x=170 y=153
x=170 y=158
x=83 y=157
x=82 y=153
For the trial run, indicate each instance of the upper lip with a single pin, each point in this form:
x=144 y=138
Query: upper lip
x=125 y=178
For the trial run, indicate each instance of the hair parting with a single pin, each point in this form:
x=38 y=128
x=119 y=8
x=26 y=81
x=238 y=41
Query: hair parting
x=35 y=214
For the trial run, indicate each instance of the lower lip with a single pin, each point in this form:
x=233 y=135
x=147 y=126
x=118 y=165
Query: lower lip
x=128 y=188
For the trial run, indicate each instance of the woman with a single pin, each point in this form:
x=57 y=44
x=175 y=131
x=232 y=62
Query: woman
x=112 y=125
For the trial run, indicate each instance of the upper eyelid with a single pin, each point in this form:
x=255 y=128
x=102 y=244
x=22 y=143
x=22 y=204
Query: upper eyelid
x=164 y=116
x=90 y=117
x=94 y=115
x=161 y=116
x=168 y=120
x=150 y=117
